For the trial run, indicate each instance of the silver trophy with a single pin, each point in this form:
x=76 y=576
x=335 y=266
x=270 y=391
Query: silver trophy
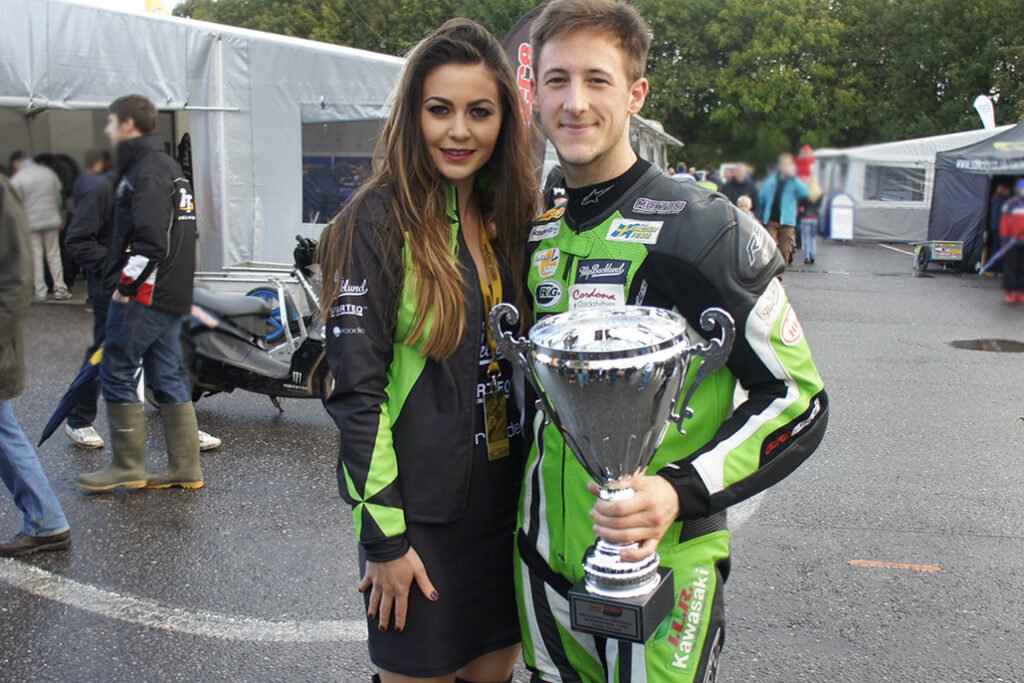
x=611 y=381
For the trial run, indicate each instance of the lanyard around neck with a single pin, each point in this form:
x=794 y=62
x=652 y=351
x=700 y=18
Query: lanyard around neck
x=492 y=292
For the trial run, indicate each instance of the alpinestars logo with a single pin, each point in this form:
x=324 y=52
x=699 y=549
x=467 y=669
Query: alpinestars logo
x=595 y=195
x=758 y=252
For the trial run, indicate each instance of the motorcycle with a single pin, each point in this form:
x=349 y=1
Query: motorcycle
x=259 y=342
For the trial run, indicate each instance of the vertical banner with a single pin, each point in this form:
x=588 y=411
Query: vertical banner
x=983 y=105
x=517 y=47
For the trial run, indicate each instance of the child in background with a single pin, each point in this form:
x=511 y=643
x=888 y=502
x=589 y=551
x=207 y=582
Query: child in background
x=746 y=205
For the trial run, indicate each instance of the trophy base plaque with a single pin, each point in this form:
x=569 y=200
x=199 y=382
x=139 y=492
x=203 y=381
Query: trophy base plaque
x=630 y=619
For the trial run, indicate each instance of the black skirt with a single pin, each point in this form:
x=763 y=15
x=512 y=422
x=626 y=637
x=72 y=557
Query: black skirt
x=470 y=564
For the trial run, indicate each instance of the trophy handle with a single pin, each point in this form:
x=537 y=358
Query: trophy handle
x=715 y=353
x=512 y=348
x=515 y=349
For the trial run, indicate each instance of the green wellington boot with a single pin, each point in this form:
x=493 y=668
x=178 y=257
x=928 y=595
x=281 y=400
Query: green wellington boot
x=181 y=433
x=128 y=442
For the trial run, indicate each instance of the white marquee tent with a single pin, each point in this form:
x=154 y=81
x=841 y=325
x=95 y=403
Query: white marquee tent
x=891 y=183
x=254 y=104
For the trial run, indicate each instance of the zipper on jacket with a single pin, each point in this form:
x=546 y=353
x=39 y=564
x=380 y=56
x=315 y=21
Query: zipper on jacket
x=561 y=553
x=473 y=312
x=568 y=277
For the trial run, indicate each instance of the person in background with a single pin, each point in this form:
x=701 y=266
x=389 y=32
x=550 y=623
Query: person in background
x=682 y=174
x=807 y=207
x=45 y=527
x=87 y=237
x=151 y=262
x=40 y=191
x=1000 y=195
x=740 y=185
x=745 y=204
x=710 y=181
x=1012 y=228
x=779 y=196
x=554 y=188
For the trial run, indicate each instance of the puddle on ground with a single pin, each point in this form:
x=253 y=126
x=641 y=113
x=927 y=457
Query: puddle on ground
x=997 y=345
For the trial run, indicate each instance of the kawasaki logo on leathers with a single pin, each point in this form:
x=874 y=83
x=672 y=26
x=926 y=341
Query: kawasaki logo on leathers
x=684 y=631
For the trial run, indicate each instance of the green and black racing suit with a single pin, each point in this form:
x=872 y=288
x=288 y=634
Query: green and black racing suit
x=649 y=240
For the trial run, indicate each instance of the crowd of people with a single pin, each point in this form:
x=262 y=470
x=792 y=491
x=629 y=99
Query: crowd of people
x=1005 y=238
x=785 y=202
x=133 y=234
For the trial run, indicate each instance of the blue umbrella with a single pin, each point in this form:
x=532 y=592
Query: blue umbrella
x=998 y=255
x=86 y=376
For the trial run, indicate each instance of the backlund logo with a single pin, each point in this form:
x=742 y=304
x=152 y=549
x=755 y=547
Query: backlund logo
x=643 y=232
x=684 y=633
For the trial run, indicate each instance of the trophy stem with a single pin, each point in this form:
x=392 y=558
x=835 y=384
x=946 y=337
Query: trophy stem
x=607 y=574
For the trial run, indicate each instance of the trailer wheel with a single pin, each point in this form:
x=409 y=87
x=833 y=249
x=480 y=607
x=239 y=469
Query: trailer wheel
x=921 y=260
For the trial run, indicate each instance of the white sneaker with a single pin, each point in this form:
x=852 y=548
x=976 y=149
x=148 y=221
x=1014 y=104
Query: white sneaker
x=62 y=295
x=208 y=442
x=85 y=437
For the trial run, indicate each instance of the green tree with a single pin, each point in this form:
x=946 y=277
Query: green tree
x=743 y=78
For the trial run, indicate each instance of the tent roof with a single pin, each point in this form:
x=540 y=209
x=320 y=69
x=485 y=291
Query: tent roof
x=1002 y=153
x=658 y=130
x=917 y=150
x=173 y=61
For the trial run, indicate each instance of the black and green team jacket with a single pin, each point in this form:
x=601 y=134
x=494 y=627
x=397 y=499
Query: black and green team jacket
x=406 y=421
x=678 y=246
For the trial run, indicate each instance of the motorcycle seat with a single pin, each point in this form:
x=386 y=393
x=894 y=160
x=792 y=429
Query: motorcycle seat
x=231 y=304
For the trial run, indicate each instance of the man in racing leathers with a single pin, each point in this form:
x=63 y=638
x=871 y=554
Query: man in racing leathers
x=631 y=235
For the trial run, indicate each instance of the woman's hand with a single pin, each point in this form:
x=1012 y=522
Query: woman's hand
x=390 y=583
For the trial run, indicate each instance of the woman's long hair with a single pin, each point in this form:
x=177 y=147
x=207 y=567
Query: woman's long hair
x=417 y=206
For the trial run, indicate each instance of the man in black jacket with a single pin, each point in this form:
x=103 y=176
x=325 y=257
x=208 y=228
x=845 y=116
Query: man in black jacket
x=86 y=238
x=739 y=185
x=151 y=265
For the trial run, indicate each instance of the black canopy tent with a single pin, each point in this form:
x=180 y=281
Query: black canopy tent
x=963 y=179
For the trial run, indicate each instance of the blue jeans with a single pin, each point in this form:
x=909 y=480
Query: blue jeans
x=24 y=477
x=809 y=236
x=143 y=337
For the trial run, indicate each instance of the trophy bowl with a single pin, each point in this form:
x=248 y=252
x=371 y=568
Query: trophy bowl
x=610 y=380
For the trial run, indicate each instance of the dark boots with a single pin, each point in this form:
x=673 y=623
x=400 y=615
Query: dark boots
x=181 y=434
x=128 y=443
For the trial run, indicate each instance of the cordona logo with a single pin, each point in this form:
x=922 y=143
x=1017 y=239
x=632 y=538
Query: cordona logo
x=548 y=294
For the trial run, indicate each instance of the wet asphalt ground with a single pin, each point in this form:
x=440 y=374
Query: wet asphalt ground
x=253 y=578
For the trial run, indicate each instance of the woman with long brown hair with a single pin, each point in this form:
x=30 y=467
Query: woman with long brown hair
x=431 y=440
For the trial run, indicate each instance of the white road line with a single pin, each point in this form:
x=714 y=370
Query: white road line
x=739 y=515
x=901 y=251
x=148 y=613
